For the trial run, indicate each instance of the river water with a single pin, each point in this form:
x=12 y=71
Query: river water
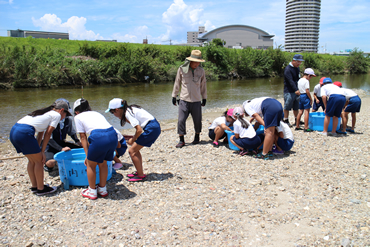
x=155 y=98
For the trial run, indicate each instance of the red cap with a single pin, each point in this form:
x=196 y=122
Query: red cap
x=337 y=83
x=321 y=80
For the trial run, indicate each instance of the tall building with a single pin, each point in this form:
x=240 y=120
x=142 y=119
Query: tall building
x=302 y=25
x=192 y=36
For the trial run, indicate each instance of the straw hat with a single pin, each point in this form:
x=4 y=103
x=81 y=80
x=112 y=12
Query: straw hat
x=196 y=56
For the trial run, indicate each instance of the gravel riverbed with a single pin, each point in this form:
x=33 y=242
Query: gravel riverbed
x=315 y=195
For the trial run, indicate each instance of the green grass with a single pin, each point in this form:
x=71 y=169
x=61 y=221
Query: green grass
x=29 y=62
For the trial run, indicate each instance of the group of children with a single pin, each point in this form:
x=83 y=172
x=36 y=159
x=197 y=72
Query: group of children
x=97 y=136
x=100 y=140
x=335 y=101
x=267 y=112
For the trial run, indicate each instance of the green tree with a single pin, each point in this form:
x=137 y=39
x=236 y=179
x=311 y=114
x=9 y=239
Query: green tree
x=219 y=42
x=357 y=62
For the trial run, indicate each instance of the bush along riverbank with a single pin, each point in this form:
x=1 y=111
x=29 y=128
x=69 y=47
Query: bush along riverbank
x=27 y=62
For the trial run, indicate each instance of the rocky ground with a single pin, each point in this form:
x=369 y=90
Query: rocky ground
x=316 y=195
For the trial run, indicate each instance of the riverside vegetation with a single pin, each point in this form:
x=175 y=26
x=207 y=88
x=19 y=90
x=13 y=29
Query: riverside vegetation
x=28 y=62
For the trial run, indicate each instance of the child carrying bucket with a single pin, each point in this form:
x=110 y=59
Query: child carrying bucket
x=99 y=147
x=245 y=137
x=147 y=132
x=22 y=136
x=217 y=129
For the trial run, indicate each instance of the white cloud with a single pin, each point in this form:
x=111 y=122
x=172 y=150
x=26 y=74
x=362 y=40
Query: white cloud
x=180 y=18
x=75 y=26
x=135 y=36
x=10 y=1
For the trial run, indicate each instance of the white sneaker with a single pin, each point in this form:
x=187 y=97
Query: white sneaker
x=323 y=133
x=90 y=193
x=102 y=191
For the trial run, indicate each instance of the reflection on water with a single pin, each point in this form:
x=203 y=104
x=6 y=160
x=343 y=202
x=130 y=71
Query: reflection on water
x=155 y=98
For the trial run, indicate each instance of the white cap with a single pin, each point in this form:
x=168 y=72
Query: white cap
x=114 y=104
x=309 y=71
x=76 y=104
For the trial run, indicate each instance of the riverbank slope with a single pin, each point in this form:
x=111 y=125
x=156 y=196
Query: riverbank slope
x=317 y=194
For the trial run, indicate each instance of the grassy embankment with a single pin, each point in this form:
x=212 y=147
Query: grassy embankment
x=28 y=62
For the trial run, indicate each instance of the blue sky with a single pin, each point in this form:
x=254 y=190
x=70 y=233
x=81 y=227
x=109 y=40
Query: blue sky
x=344 y=24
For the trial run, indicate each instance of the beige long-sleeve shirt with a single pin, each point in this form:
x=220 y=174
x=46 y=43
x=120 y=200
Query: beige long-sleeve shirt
x=193 y=88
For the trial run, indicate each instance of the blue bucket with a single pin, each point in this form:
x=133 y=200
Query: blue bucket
x=316 y=121
x=72 y=170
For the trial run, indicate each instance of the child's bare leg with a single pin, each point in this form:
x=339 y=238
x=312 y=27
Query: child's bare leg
x=103 y=173
x=232 y=141
x=136 y=158
x=116 y=160
x=344 y=121
x=219 y=132
x=91 y=173
x=353 y=114
x=335 y=124
x=300 y=113
x=306 y=117
x=269 y=139
x=326 y=124
x=35 y=170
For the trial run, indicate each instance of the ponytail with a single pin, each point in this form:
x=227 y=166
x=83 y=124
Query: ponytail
x=244 y=123
x=125 y=107
x=42 y=111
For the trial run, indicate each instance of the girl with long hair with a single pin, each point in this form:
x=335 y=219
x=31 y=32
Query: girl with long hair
x=22 y=136
x=245 y=136
x=147 y=131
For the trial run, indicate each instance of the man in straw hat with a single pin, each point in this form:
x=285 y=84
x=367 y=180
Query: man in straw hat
x=192 y=80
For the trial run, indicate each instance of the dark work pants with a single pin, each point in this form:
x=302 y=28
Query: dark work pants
x=194 y=108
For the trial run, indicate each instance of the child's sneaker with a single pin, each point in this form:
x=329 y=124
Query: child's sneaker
x=137 y=178
x=277 y=152
x=262 y=156
x=90 y=193
x=134 y=174
x=47 y=190
x=117 y=166
x=102 y=191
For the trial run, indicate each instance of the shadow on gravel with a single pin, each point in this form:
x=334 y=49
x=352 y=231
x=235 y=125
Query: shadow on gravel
x=119 y=192
x=158 y=176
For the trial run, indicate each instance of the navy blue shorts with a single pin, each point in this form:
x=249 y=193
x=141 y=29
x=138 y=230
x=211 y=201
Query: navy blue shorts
x=122 y=150
x=354 y=105
x=272 y=112
x=285 y=144
x=248 y=143
x=212 y=135
x=103 y=143
x=22 y=136
x=304 y=102
x=335 y=105
x=320 y=104
x=291 y=100
x=151 y=132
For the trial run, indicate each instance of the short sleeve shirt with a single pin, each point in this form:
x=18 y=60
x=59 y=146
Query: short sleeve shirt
x=42 y=122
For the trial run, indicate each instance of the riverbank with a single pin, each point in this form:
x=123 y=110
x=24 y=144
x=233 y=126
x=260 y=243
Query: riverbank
x=27 y=62
x=317 y=194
